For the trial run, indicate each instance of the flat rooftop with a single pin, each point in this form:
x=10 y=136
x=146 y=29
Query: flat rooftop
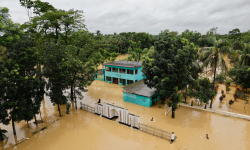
x=139 y=88
x=129 y=64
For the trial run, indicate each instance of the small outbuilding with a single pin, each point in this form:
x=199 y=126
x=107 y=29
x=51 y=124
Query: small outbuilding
x=138 y=93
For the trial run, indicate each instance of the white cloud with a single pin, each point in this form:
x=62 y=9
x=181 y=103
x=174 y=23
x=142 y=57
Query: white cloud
x=151 y=16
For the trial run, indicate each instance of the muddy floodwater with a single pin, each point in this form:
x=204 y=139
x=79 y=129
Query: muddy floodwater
x=83 y=130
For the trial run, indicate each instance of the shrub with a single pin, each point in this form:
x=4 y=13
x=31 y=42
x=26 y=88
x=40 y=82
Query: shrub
x=228 y=82
x=2 y=135
x=67 y=107
x=219 y=78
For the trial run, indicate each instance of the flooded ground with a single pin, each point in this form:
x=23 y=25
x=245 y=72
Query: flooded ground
x=84 y=130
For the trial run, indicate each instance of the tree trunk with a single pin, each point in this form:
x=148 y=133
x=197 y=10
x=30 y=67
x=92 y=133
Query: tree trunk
x=244 y=93
x=215 y=70
x=28 y=124
x=13 y=127
x=214 y=79
x=75 y=96
x=35 y=118
x=173 y=113
x=59 y=110
x=205 y=105
x=186 y=95
x=71 y=92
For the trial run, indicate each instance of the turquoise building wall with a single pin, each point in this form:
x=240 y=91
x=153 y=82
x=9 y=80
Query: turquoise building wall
x=124 y=76
x=100 y=77
x=138 y=99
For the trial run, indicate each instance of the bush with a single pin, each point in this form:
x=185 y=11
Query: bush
x=219 y=78
x=2 y=135
x=67 y=107
x=228 y=82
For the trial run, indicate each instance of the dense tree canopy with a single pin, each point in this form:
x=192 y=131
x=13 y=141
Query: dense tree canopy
x=168 y=70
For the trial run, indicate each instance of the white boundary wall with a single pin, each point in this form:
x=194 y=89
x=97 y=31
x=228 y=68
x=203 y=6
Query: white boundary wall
x=110 y=111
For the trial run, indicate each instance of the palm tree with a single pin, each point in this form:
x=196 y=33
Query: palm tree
x=243 y=56
x=214 y=57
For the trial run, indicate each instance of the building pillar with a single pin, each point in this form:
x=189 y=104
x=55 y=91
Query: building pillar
x=118 y=70
x=111 y=69
x=111 y=80
x=126 y=82
x=133 y=72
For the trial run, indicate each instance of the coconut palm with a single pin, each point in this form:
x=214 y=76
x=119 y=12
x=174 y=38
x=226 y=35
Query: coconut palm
x=214 y=56
x=243 y=56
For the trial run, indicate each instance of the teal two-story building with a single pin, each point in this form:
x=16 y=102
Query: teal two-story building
x=123 y=72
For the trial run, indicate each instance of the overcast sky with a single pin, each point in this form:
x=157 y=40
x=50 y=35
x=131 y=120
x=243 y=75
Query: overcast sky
x=151 y=16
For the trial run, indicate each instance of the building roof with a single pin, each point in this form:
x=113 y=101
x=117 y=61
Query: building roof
x=129 y=64
x=139 y=88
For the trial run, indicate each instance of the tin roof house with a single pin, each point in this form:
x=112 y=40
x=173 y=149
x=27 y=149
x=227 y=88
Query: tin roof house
x=138 y=93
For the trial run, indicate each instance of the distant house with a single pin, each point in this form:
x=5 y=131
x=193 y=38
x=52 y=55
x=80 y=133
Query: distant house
x=138 y=93
x=123 y=72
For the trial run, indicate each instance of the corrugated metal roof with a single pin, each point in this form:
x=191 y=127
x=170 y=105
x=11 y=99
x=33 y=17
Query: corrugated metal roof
x=139 y=88
x=130 y=64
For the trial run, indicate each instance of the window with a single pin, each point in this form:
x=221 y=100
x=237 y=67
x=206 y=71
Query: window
x=136 y=71
x=130 y=71
x=108 y=68
x=114 y=69
x=122 y=70
x=108 y=78
x=130 y=81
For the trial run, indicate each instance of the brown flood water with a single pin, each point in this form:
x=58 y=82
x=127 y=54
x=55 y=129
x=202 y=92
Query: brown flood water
x=84 y=130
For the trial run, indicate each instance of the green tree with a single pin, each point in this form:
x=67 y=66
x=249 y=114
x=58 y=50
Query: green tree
x=243 y=76
x=243 y=56
x=203 y=90
x=56 y=70
x=214 y=57
x=169 y=68
x=234 y=34
x=9 y=31
x=135 y=51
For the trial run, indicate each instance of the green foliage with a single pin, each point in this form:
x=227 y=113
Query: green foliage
x=170 y=63
x=234 y=34
x=203 y=90
x=220 y=78
x=191 y=36
x=19 y=83
x=67 y=107
x=2 y=135
x=232 y=74
x=9 y=31
x=213 y=56
x=228 y=82
x=135 y=51
x=243 y=76
x=242 y=56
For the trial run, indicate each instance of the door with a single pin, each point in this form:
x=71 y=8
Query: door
x=115 y=80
